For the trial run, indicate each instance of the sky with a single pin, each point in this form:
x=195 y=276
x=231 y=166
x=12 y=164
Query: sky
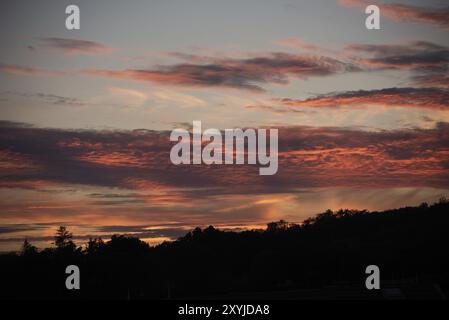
x=85 y=115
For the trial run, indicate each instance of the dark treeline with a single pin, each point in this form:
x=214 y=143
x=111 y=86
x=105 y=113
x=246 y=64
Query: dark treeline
x=409 y=244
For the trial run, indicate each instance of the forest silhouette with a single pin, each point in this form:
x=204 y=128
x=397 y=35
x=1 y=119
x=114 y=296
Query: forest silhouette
x=330 y=250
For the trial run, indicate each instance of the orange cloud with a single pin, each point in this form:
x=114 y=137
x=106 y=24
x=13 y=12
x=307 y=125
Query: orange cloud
x=307 y=157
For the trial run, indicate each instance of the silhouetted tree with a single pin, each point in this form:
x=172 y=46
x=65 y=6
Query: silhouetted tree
x=280 y=225
x=94 y=245
x=63 y=239
x=125 y=244
x=27 y=248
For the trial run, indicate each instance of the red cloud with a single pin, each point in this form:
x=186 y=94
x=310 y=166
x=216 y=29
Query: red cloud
x=308 y=157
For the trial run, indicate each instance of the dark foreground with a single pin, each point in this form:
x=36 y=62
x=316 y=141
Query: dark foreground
x=325 y=258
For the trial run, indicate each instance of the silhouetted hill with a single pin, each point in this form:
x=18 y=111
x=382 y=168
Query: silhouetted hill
x=325 y=253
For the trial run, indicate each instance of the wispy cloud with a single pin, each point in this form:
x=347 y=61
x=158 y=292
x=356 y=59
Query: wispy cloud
x=129 y=95
x=248 y=74
x=428 y=62
x=27 y=71
x=274 y=109
x=298 y=43
x=407 y=13
x=50 y=98
x=425 y=98
x=414 y=55
x=301 y=44
x=76 y=46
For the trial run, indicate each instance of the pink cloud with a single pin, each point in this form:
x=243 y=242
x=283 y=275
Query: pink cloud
x=407 y=13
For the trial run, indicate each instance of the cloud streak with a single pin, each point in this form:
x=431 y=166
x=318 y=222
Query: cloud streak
x=50 y=98
x=423 y=98
x=414 y=55
x=247 y=74
x=76 y=46
x=27 y=71
x=407 y=13
x=428 y=62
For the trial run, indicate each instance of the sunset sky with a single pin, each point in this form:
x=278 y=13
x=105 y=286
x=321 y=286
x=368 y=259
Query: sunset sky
x=85 y=115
